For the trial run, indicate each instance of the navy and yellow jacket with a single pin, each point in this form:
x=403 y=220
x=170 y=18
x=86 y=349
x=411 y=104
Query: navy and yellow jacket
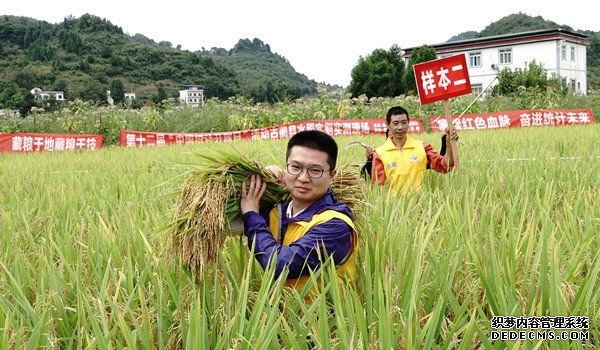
x=323 y=229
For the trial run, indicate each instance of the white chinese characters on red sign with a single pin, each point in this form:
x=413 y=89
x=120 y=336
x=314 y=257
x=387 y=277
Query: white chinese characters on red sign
x=331 y=127
x=516 y=119
x=442 y=79
x=32 y=142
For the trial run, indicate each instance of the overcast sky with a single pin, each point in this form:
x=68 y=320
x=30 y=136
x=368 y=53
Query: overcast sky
x=321 y=39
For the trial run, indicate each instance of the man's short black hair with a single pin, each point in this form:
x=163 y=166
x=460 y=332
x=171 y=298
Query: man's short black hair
x=316 y=140
x=397 y=110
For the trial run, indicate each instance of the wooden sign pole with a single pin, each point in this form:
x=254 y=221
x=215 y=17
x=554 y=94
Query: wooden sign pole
x=453 y=144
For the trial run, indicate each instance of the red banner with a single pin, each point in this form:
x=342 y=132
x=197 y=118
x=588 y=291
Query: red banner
x=331 y=127
x=24 y=142
x=516 y=119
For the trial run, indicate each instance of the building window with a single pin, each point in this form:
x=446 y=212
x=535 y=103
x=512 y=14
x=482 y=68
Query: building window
x=572 y=53
x=563 y=52
x=475 y=59
x=476 y=88
x=505 y=56
x=573 y=84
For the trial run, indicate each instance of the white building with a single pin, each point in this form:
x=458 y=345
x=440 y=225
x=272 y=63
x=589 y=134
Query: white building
x=109 y=98
x=128 y=98
x=192 y=95
x=9 y=113
x=559 y=51
x=39 y=94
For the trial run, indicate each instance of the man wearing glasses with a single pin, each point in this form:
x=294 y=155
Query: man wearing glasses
x=313 y=225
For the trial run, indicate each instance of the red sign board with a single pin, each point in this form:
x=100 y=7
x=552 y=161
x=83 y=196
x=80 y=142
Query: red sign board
x=29 y=142
x=516 y=119
x=442 y=79
x=343 y=127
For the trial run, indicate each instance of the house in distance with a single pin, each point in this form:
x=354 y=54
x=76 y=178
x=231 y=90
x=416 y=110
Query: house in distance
x=192 y=95
x=561 y=52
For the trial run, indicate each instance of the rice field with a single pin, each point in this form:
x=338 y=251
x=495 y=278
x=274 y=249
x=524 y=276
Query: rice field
x=84 y=263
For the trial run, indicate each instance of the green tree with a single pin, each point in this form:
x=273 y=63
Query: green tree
x=91 y=90
x=379 y=74
x=117 y=91
x=84 y=66
x=161 y=94
x=533 y=77
x=593 y=61
x=41 y=50
x=70 y=41
x=28 y=102
x=57 y=65
x=423 y=54
x=222 y=88
x=517 y=23
x=34 y=76
x=61 y=85
x=11 y=96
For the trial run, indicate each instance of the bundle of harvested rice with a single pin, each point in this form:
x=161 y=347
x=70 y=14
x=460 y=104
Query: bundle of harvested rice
x=210 y=201
x=348 y=188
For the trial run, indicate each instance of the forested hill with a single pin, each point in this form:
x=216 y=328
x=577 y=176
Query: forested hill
x=262 y=73
x=82 y=56
x=520 y=22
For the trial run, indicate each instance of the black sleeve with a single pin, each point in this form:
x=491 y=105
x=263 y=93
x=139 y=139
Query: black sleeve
x=365 y=172
x=443 y=148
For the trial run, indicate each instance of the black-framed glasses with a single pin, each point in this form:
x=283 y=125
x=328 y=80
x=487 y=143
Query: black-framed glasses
x=313 y=172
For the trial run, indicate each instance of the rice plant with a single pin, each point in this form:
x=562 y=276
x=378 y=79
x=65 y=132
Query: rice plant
x=84 y=254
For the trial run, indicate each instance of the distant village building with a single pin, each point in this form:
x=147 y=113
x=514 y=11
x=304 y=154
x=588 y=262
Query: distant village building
x=192 y=95
x=109 y=98
x=561 y=52
x=129 y=97
x=39 y=94
x=9 y=113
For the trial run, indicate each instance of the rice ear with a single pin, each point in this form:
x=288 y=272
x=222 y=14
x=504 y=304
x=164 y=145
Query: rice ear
x=348 y=188
x=209 y=201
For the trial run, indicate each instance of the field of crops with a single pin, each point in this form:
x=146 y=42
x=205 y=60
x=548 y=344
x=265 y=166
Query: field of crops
x=84 y=261
x=78 y=117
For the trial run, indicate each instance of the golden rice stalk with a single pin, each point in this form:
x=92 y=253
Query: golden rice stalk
x=210 y=200
x=348 y=188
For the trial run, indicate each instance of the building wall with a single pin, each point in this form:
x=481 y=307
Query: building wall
x=548 y=53
x=574 y=68
x=193 y=97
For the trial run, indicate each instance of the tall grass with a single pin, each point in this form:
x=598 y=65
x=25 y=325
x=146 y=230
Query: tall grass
x=83 y=255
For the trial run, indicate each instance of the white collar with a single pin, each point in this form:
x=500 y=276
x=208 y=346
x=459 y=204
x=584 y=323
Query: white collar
x=288 y=212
